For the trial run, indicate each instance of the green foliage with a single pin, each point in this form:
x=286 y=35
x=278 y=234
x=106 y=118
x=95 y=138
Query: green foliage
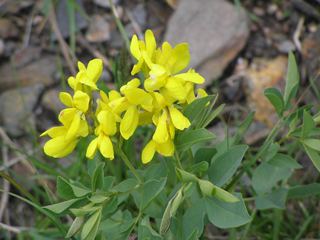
x=208 y=180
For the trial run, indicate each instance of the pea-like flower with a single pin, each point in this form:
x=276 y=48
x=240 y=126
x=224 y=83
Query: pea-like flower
x=87 y=77
x=74 y=125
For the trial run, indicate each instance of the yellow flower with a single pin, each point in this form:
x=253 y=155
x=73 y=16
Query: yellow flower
x=137 y=99
x=165 y=149
x=74 y=125
x=74 y=115
x=107 y=127
x=139 y=49
x=87 y=77
x=60 y=146
x=163 y=67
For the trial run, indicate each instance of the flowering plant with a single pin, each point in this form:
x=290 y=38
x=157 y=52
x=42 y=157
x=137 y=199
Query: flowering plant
x=168 y=178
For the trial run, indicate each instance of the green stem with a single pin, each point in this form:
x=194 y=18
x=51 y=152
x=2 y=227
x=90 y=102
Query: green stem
x=122 y=30
x=127 y=162
x=177 y=158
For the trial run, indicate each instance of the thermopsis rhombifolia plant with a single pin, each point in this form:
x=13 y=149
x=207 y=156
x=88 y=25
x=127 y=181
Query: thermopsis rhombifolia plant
x=167 y=179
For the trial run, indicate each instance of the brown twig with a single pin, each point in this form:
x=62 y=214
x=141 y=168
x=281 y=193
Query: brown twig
x=6 y=184
x=64 y=47
x=12 y=228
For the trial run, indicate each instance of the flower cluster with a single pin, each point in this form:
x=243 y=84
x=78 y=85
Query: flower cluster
x=158 y=102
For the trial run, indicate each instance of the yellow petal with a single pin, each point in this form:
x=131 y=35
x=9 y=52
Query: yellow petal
x=81 y=66
x=137 y=67
x=165 y=149
x=107 y=122
x=138 y=96
x=92 y=148
x=159 y=100
x=119 y=105
x=182 y=55
x=134 y=47
x=105 y=147
x=166 y=53
x=129 y=122
x=104 y=97
x=81 y=101
x=74 y=127
x=55 y=132
x=176 y=88
x=66 y=99
x=150 y=42
x=178 y=119
x=148 y=152
x=94 y=69
x=83 y=128
x=201 y=93
x=113 y=95
x=66 y=116
x=58 y=147
x=73 y=82
x=161 y=134
x=191 y=77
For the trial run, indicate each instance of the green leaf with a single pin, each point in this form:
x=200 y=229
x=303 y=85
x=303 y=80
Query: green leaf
x=275 y=199
x=304 y=191
x=170 y=211
x=91 y=226
x=193 y=219
x=193 y=110
x=208 y=189
x=185 y=176
x=117 y=226
x=212 y=115
x=226 y=215
x=185 y=140
x=205 y=154
x=308 y=124
x=292 y=80
x=266 y=176
x=243 y=128
x=284 y=161
x=87 y=209
x=200 y=167
x=312 y=143
x=79 y=191
x=126 y=185
x=62 y=206
x=150 y=190
x=98 y=198
x=224 y=166
x=75 y=227
x=314 y=156
x=275 y=97
x=64 y=189
x=146 y=232
x=98 y=177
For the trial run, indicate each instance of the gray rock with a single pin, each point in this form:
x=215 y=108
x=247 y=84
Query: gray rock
x=40 y=71
x=215 y=30
x=105 y=3
x=17 y=106
x=99 y=29
x=63 y=20
x=50 y=101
